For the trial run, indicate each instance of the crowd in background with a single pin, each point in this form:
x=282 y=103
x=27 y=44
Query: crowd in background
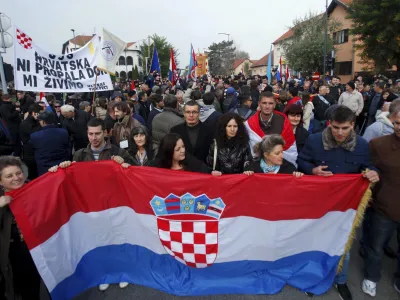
x=219 y=125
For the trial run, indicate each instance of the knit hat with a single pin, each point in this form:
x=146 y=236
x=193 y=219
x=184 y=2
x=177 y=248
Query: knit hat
x=116 y=94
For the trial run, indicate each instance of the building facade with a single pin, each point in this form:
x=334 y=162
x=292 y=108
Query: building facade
x=260 y=66
x=129 y=58
x=241 y=66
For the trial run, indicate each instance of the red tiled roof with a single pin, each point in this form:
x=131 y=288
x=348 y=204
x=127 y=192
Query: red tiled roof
x=263 y=61
x=237 y=62
x=81 y=40
x=130 y=44
x=284 y=36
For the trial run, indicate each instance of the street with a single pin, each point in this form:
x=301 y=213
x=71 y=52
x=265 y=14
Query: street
x=385 y=288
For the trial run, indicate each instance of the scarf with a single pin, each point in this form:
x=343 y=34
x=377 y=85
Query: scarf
x=267 y=168
x=330 y=143
x=124 y=130
x=206 y=111
x=324 y=100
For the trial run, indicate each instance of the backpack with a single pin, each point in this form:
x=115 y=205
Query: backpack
x=246 y=116
x=114 y=152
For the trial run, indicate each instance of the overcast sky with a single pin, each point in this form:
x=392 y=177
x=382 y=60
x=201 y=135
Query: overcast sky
x=253 y=24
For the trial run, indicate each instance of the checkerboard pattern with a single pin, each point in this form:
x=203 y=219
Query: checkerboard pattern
x=193 y=243
x=24 y=40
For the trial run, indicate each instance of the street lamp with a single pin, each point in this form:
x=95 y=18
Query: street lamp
x=5 y=42
x=228 y=34
x=73 y=33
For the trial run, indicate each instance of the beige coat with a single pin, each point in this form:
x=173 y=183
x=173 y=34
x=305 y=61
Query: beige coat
x=353 y=100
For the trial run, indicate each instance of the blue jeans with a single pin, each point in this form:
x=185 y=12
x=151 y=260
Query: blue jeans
x=341 y=278
x=381 y=229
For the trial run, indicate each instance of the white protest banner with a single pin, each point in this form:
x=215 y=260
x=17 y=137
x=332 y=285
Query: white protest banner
x=39 y=71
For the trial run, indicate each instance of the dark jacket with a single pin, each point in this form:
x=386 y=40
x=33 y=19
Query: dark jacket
x=135 y=159
x=286 y=167
x=143 y=110
x=25 y=103
x=109 y=150
x=10 y=116
x=319 y=108
x=255 y=96
x=6 y=274
x=50 y=146
x=385 y=153
x=338 y=160
x=190 y=164
x=204 y=140
x=243 y=111
x=77 y=129
x=150 y=119
x=231 y=159
x=27 y=127
x=301 y=136
x=211 y=121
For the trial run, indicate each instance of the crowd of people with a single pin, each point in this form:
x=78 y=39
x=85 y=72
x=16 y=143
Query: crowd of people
x=216 y=125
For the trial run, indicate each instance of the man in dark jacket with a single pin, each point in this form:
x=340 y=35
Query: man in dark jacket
x=11 y=117
x=321 y=104
x=27 y=127
x=158 y=106
x=244 y=110
x=338 y=150
x=98 y=148
x=25 y=101
x=143 y=107
x=385 y=215
x=195 y=135
x=255 y=94
x=208 y=115
x=75 y=121
x=50 y=144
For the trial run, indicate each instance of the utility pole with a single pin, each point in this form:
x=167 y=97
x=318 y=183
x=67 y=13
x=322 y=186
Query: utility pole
x=4 y=27
x=325 y=36
x=73 y=34
x=149 y=65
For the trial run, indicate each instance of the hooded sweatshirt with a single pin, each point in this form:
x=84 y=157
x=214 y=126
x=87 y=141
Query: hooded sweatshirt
x=382 y=126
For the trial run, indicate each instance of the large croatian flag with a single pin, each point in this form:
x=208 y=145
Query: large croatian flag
x=189 y=234
x=256 y=134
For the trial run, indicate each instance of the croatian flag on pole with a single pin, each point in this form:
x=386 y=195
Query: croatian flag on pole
x=256 y=134
x=192 y=64
x=43 y=99
x=95 y=223
x=279 y=71
x=172 y=73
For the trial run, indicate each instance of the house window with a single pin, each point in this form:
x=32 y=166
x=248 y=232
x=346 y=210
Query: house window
x=129 y=61
x=121 y=61
x=140 y=61
x=341 y=37
x=123 y=74
x=344 y=68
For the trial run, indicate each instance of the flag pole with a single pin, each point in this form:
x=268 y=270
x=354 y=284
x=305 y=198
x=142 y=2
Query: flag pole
x=94 y=91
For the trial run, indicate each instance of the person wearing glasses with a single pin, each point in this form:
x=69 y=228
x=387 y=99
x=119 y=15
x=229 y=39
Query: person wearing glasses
x=57 y=113
x=196 y=137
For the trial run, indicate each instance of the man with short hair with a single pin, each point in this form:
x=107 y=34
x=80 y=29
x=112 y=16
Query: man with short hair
x=11 y=117
x=75 y=121
x=352 y=99
x=124 y=125
x=321 y=104
x=330 y=152
x=25 y=101
x=270 y=121
x=293 y=96
x=208 y=114
x=164 y=121
x=375 y=102
x=27 y=127
x=385 y=214
x=98 y=149
x=85 y=106
x=57 y=113
x=51 y=144
x=244 y=110
x=335 y=90
x=144 y=106
x=195 y=135
x=158 y=105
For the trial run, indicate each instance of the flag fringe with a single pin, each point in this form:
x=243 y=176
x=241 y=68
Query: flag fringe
x=356 y=223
